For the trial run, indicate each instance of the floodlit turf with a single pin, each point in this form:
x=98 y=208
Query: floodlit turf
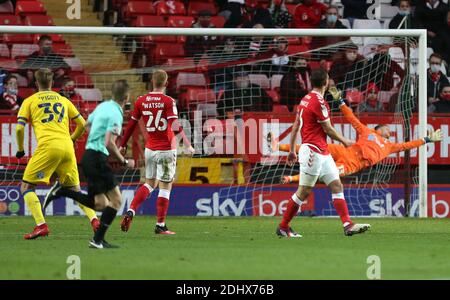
x=228 y=248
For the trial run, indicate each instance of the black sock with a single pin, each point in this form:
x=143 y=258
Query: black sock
x=80 y=197
x=106 y=219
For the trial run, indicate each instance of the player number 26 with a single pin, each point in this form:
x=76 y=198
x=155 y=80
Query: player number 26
x=160 y=123
x=56 y=109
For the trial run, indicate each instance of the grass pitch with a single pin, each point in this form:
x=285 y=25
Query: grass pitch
x=228 y=248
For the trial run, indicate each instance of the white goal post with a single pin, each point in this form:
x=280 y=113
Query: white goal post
x=419 y=33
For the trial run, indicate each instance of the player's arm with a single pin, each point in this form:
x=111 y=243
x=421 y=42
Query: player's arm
x=292 y=156
x=433 y=137
x=347 y=111
x=110 y=144
x=22 y=119
x=75 y=116
x=332 y=133
x=135 y=116
x=79 y=130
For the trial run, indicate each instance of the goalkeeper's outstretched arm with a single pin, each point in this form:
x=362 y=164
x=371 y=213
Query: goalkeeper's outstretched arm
x=433 y=137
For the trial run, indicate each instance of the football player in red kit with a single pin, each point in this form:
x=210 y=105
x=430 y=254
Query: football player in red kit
x=160 y=114
x=316 y=163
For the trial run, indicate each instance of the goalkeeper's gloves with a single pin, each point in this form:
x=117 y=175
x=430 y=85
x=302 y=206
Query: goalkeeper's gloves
x=20 y=154
x=434 y=136
x=336 y=94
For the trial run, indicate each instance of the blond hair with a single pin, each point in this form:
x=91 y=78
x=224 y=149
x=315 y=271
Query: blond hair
x=159 y=79
x=44 y=78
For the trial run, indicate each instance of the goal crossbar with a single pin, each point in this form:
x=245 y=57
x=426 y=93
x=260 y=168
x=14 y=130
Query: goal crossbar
x=421 y=34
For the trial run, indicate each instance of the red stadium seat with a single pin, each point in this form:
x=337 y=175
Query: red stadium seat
x=280 y=109
x=291 y=8
x=30 y=7
x=9 y=64
x=26 y=92
x=190 y=79
x=149 y=39
x=218 y=21
x=354 y=97
x=150 y=21
x=163 y=51
x=180 y=21
x=175 y=8
x=90 y=94
x=23 y=50
x=11 y=38
x=74 y=64
x=38 y=20
x=9 y=20
x=294 y=49
x=260 y=79
x=136 y=8
x=83 y=81
x=195 y=7
x=4 y=51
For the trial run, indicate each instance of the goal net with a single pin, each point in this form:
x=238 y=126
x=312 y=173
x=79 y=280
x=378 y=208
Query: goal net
x=236 y=98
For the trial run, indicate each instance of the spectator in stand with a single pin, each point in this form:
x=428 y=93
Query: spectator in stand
x=7 y=6
x=10 y=99
x=254 y=47
x=281 y=17
x=46 y=58
x=243 y=96
x=381 y=60
x=197 y=46
x=371 y=103
x=68 y=91
x=443 y=105
x=295 y=84
x=256 y=15
x=441 y=43
x=3 y=75
x=233 y=13
x=435 y=78
x=404 y=12
x=331 y=21
x=347 y=69
x=280 y=60
x=355 y=9
x=431 y=15
x=308 y=14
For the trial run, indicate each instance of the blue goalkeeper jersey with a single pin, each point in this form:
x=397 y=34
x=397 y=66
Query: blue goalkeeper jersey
x=108 y=116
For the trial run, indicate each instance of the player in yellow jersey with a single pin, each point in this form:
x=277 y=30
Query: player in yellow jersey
x=49 y=114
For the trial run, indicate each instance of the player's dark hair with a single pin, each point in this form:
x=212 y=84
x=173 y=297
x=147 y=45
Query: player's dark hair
x=9 y=77
x=120 y=90
x=380 y=126
x=437 y=55
x=44 y=78
x=319 y=78
x=159 y=79
x=400 y=2
x=44 y=38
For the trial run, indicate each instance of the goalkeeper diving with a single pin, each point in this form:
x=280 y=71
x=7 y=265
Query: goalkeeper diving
x=371 y=147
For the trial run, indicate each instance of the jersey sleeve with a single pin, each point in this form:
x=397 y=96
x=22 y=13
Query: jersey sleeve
x=72 y=111
x=321 y=111
x=24 y=112
x=171 y=110
x=397 y=147
x=137 y=113
x=114 y=124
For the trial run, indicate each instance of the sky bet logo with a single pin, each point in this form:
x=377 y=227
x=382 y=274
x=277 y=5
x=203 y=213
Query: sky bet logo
x=214 y=207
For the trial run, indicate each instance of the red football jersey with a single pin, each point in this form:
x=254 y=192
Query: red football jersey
x=157 y=109
x=313 y=110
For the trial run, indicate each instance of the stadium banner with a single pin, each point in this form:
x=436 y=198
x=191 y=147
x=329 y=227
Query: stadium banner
x=280 y=125
x=258 y=200
x=8 y=146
